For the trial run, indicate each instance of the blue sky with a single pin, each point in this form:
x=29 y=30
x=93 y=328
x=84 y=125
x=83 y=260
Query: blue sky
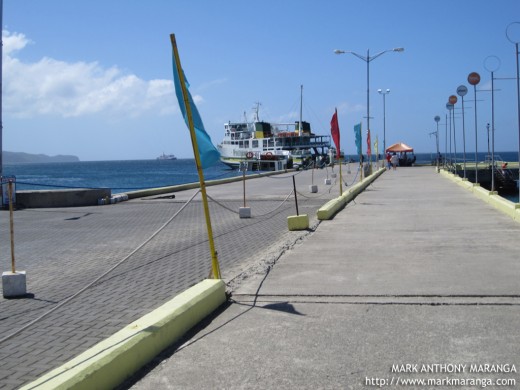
x=94 y=78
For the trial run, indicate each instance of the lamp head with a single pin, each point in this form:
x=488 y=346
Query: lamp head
x=399 y=49
x=337 y=51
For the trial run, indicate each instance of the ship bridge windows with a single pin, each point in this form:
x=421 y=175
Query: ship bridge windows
x=255 y=143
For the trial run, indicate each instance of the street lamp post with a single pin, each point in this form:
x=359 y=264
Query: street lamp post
x=369 y=59
x=452 y=100
x=492 y=64
x=513 y=35
x=437 y=119
x=384 y=93
x=450 y=107
x=474 y=79
x=462 y=90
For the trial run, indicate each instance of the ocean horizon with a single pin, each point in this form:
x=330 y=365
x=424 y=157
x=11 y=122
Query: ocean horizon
x=132 y=175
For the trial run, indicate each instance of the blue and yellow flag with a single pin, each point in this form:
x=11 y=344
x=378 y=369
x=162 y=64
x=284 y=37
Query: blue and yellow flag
x=357 y=132
x=209 y=155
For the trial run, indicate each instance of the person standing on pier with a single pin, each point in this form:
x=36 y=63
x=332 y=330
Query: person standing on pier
x=388 y=160
x=394 y=160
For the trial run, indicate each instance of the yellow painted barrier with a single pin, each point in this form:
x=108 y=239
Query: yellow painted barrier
x=505 y=206
x=298 y=222
x=331 y=208
x=111 y=361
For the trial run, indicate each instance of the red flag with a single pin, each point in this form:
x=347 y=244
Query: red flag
x=334 y=130
x=369 y=148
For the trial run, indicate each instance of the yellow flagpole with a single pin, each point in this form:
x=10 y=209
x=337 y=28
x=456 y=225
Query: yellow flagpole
x=214 y=260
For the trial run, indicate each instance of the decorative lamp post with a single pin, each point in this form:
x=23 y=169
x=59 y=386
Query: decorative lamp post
x=369 y=59
x=462 y=90
x=513 y=35
x=450 y=108
x=437 y=119
x=474 y=79
x=452 y=100
x=384 y=93
x=492 y=63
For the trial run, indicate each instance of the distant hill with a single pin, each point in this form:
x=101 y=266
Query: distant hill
x=20 y=157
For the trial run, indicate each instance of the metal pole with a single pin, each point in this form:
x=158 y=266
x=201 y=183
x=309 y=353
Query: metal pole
x=451 y=154
x=463 y=137
x=446 y=140
x=437 y=119
x=454 y=139
x=384 y=122
x=1 y=88
x=489 y=150
x=437 y=139
x=368 y=90
x=11 y=224
x=476 y=135
x=300 y=132
x=295 y=196
x=515 y=39
x=244 y=184
x=384 y=93
x=518 y=100
x=492 y=132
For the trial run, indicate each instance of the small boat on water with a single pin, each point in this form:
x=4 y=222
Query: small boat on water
x=167 y=157
x=255 y=142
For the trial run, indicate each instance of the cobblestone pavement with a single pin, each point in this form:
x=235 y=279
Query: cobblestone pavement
x=63 y=250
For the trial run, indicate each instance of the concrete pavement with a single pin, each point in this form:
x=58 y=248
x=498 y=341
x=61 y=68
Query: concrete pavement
x=416 y=271
x=65 y=249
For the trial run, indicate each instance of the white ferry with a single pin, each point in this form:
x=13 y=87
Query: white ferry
x=269 y=146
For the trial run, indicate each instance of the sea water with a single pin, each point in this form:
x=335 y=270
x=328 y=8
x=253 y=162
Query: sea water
x=119 y=176
x=131 y=175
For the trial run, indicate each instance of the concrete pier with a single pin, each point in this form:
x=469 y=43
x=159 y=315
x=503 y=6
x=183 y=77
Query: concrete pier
x=415 y=270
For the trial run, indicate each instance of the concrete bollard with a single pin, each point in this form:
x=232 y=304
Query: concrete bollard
x=244 y=212
x=14 y=284
x=313 y=188
x=298 y=222
x=328 y=182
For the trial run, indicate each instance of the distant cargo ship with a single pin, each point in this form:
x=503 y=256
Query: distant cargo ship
x=167 y=157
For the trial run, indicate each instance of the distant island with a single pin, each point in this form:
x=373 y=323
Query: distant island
x=20 y=158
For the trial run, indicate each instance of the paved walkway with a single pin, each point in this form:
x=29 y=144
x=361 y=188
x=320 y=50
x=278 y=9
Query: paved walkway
x=65 y=249
x=416 y=271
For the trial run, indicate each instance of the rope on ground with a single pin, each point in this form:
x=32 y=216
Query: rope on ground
x=67 y=300
x=259 y=215
x=353 y=180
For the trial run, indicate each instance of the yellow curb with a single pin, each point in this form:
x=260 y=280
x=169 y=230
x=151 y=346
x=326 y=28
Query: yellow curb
x=111 y=361
x=482 y=193
x=190 y=186
x=329 y=209
x=503 y=205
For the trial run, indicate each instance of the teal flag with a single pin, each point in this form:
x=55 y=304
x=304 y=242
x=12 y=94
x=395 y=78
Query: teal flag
x=209 y=155
x=357 y=132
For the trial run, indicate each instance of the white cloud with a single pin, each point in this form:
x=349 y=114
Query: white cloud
x=58 y=88
x=348 y=108
x=13 y=42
